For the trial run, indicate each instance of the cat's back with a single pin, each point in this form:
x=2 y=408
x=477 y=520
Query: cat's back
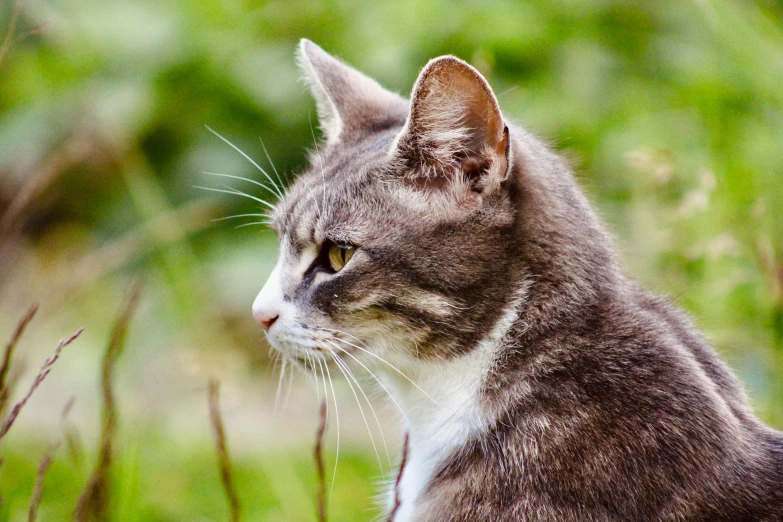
x=624 y=413
x=743 y=479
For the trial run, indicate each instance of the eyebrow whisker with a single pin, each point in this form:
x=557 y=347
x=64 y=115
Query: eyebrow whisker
x=256 y=165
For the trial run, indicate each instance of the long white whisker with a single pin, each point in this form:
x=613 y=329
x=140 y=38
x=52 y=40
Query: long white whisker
x=242 y=215
x=337 y=421
x=309 y=362
x=361 y=410
x=274 y=169
x=326 y=392
x=349 y=354
x=256 y=165
x=290 y=379
x=383 y=361
x=283 y=369
x=254 y=182
x=236 y=193
x=229 y=187
x=350 y=374
x=253 y=223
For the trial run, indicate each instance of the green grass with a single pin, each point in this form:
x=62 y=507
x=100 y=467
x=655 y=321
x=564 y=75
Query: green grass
x=670 y=111
x=157 y=481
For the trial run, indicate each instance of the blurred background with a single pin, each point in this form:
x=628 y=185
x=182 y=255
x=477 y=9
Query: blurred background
x=671 y=112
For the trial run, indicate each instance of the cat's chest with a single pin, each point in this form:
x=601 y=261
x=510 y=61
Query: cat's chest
x=421 y=465
x=452 y=413
x=415 y=477
x=435 y=433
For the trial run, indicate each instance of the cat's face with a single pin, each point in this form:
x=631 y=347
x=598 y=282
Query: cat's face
x=394 y=242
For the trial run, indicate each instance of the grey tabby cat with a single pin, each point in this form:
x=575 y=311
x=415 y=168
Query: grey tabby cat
x=433 y=236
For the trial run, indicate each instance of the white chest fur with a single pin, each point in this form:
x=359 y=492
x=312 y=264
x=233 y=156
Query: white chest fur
x=439 y=424
x=436 y=430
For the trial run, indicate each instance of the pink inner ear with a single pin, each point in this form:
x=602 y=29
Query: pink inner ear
x=454 y=122
x=452 y=96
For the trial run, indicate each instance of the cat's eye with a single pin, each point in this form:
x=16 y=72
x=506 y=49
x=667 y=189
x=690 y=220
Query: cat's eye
x=339 y=255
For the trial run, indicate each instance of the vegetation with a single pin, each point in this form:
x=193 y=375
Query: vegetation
x=671 y=112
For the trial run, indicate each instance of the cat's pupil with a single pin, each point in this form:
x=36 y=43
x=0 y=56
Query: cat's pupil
x=339 y=255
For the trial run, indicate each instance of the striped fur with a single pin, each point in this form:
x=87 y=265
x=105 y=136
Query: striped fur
x=548 y=385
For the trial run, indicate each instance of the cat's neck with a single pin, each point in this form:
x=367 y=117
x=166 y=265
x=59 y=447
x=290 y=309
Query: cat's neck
x=445 y=407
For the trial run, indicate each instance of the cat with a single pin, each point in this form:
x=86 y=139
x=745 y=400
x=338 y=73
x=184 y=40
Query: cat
x=452 y=254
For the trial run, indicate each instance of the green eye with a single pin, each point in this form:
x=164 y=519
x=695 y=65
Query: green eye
x=339 y=256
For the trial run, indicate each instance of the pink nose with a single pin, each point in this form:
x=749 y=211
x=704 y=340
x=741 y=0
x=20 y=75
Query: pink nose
x=265 y=319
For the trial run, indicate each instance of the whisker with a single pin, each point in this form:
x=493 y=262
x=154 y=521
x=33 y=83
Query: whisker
x=293 y=372
x=241 y=215
x=308 y=363
x=242 y=192
x=326 y=402
x=369 y=404
x=326 y=393
x=335 y=330
x=283 y=368
x=236 y=193
x=349 y=354
x=274 y=169
x=383 y=361
x=268 y=216
x=253 y=223
x=254 y=182
x=256 y=165
x=337 y=421
x=361 y=410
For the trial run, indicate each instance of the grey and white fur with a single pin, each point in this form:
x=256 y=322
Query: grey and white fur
x=548 y=385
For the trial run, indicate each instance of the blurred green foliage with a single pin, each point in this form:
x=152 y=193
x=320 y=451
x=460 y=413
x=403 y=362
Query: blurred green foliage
x=671 y=111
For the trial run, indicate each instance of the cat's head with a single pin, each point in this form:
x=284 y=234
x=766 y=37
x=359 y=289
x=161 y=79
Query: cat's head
x=400 y=237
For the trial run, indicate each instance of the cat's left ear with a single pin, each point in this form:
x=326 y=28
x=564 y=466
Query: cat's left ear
x=454 y=125
x=347 y=100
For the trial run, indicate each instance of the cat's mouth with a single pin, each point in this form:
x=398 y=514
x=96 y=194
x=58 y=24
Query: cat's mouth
x=310 y=357
x=299 y=360
x=304 y=356
x=312 y=348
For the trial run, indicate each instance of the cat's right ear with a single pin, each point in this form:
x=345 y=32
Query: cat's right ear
x=454 y=125
x=347 y=100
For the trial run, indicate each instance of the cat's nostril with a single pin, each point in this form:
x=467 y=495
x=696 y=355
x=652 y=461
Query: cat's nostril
x=266 y=321
x=266 y=325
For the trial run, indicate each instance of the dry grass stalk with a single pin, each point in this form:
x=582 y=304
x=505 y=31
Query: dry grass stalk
x=5 y=388
x=320 y=498
x=42 y=177
x=18 y=370
x=93 y=504
x=35 y=501
x=37 y=29
x=404 y=460
x=45 y=369
x=224 y=461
